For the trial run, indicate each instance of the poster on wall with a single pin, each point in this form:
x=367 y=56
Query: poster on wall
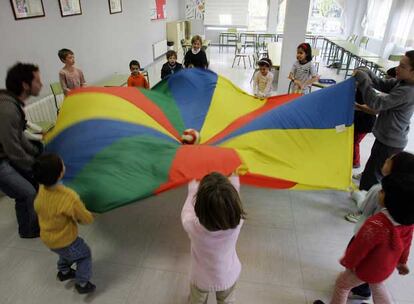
x=70 y=7
x=23 y=9
x=158 y=9
x=194 y=9
x=115 y=6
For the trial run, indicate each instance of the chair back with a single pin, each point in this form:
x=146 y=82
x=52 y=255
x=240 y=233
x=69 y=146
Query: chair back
x=315 y=52
x=394 y=57
x=363 y=42
x=352 y=38
x=56 y=88
x=238 y=48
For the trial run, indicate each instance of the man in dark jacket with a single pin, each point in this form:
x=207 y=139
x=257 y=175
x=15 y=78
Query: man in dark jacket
x=17 y=153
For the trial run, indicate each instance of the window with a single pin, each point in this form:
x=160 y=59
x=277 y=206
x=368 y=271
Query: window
x=402 y=26
x=281 y=16
x=325 y=17
x=375 y=21
x=226 y=13
x=258 y=10
x=251 y=14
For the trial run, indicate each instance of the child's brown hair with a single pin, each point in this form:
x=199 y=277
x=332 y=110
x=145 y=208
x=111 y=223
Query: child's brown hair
x=217 y=204
x=63 y=53
x=171 y=53
x=197 y=38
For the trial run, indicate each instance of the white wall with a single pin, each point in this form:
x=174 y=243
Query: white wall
x=103 y=43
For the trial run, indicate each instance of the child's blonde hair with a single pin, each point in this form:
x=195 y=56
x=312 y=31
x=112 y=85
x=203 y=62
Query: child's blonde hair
x=197 y=38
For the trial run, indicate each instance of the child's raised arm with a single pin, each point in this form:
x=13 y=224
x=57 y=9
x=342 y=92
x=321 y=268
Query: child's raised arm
x=188 y=213
x=80 y=213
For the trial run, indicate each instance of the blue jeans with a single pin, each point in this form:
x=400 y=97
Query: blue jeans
x=77 y=253
x=14 y=185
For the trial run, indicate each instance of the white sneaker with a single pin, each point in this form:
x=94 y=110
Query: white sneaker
x=358 y=197
x=353 y=217
x=357 y=176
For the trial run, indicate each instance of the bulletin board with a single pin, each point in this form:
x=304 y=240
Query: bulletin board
x=158 y=9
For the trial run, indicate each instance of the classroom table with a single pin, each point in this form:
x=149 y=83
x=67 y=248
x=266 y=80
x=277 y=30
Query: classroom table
x=227 y=39
x=352 y=51
x=380 y=65
x=116 y=80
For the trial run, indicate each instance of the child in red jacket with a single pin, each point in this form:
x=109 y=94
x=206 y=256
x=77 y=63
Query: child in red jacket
x=382 y=244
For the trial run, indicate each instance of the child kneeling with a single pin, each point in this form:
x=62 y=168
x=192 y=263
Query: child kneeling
x=59 y=209
x=212 y=216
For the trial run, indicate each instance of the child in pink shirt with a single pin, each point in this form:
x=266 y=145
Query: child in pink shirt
x=212 y=216
x=70 y=77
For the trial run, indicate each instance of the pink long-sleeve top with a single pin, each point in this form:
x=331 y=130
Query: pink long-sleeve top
x=215 y=265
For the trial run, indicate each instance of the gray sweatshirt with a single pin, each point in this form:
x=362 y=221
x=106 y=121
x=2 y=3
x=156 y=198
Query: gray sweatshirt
x=395 y=106
x=14 y=146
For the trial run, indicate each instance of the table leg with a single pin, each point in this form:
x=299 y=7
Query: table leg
x=340 y=64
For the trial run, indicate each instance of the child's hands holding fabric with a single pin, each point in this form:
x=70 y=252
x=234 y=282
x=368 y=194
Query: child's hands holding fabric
x=299 y=84
x=403 y=269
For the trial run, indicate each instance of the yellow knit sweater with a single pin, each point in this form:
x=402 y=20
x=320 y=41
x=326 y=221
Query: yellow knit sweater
x=59 y=210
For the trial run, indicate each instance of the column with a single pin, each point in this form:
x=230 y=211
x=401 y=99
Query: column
x=296 y=21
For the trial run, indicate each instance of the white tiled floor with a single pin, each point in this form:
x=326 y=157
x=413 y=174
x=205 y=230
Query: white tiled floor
x=289 y=246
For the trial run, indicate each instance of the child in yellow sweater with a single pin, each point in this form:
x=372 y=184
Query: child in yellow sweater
x=59 y=209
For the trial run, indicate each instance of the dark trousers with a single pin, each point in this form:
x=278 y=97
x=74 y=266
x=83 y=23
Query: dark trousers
x=358 y=137
x=16 y=186
x=362 y=290
x=372 y=172
x=76 y=253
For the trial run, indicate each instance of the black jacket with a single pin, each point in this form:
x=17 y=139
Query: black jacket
x=198 y=60
x=168 y=70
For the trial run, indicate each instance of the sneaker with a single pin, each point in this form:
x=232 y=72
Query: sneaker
x=358 y=197
x=353 y=217
x=355 y=296
x=357 y=176
x=89 y=287
x=66 y=276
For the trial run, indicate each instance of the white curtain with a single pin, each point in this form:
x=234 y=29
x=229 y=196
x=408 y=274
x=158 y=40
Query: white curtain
x=402 y=26
x=376 y=17
x=343 y=5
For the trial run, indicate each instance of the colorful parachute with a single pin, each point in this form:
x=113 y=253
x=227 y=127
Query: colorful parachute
x=123 y=144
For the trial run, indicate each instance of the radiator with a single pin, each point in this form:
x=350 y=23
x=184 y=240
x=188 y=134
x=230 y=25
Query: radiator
x=159 y=48
x=43 y=109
